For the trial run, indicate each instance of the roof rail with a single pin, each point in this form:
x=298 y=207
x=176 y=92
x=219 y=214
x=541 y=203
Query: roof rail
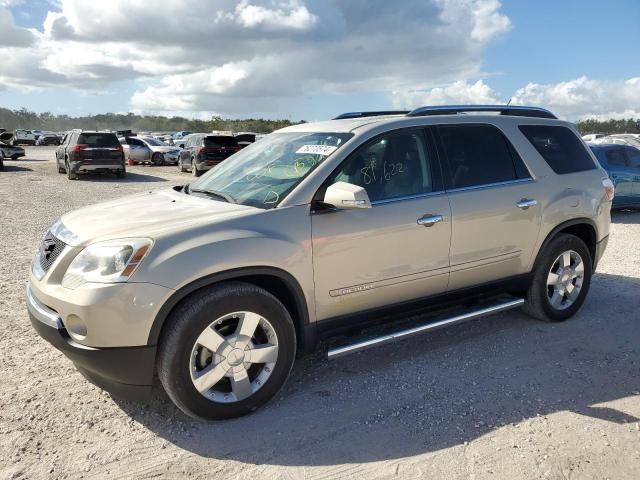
x=536 y=112
x=370 y=114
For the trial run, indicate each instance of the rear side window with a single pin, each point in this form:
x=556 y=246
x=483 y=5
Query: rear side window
x=560 y=148
x=633 y=157
x=98 y=140
x=615 y=157
x=220 y=141
x=479 y=155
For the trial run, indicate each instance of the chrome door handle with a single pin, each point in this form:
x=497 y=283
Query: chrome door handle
x=430 y=220
x=526 y=203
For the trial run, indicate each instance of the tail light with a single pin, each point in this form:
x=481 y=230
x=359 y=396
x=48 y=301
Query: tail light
x=609 y=189
x=119 y=148
x=79 y=147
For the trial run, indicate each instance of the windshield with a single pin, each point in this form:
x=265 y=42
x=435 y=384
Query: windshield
x=262 y=174
x=220 y=141
x=154 y=142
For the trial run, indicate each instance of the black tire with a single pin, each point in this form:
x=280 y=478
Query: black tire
x=180 y=165
x=121 y=173
x=537 y=302
x=157 y=159
x=70 y=175
x=189 y=319
x=194 y=168
x=60 y=168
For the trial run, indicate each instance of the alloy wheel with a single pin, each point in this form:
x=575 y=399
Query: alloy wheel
x=565 y=279
x=234 y=357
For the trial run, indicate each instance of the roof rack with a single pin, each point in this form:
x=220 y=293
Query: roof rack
x=370 y=114
x=501 y=109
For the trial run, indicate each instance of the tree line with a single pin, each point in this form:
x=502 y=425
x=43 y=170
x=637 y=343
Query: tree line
x=23 y=118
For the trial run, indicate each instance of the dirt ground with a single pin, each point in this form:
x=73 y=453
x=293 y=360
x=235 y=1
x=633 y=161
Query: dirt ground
x=506 y=397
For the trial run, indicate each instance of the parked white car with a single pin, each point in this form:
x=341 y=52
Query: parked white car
x=24 y=137
x=149 y=149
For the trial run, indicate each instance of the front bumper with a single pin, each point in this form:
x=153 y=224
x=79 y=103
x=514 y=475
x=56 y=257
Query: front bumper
x=127 y=372
x=601 y=246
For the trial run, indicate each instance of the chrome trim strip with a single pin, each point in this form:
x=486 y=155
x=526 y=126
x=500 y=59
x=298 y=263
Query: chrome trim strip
x=41 y=312
x=490 y=185
x=465 y=317
x=408 y=197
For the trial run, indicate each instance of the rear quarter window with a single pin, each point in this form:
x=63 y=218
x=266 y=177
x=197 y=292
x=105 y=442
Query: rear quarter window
x=220 y=141
x=98 y=140
x=563 y=151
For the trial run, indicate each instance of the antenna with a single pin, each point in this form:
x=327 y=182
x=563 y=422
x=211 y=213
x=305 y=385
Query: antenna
x=509 y=102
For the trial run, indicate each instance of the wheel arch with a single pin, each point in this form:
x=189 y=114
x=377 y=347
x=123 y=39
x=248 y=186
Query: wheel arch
x=279 y=283
x=583 y=228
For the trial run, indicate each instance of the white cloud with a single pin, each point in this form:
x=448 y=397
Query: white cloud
x=573 y=100
x=286 y=15
x=10 y=34
x=255 y=55
x=585 y=98
x=460 y=93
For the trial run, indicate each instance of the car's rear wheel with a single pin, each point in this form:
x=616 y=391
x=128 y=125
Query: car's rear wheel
x=226 y=351
x=561 y=280
x=157 y=159
x=194 y=168
x=70 y=175
x=180 y=165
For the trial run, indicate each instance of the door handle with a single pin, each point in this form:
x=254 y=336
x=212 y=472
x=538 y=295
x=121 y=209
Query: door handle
x=526 y=203
x=430 y=220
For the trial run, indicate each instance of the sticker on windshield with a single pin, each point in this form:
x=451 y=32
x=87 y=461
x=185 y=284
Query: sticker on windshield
x=317 y=149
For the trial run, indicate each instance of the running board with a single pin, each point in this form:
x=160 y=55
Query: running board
x=402 y=334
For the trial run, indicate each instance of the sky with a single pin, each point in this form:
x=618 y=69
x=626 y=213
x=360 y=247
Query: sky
x=314 y=59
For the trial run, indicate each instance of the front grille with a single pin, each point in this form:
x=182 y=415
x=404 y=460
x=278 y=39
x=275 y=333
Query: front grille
x=50 y=249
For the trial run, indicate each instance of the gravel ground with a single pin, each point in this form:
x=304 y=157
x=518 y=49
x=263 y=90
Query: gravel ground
x=506 y=397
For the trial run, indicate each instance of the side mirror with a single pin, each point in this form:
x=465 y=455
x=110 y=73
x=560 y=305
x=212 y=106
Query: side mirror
x=347 y=195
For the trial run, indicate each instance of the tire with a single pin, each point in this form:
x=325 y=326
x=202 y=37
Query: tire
x=179 y=350
x=194 y=168
x=121 y=173
x=544 y=289
x=180 y=166
x=70 y=174
x=60 y=168
x=157 y=159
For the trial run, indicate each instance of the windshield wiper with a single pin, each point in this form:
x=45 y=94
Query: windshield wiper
x=212 y=193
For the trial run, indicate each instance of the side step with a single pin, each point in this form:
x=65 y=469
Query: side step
x=402 y=334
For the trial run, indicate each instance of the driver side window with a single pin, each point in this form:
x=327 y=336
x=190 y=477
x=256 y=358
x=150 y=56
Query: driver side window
x=391 y=166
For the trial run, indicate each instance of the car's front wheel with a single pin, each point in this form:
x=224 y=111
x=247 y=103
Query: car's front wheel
x=226 y=350
x=561 y=280
x=194 y=168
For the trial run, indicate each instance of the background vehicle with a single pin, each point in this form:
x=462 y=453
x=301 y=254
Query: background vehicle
x=622 y=163
x=316 y=228
x=24 y=137
x=245 y=138
x=204 y=151
x=7 y=150
x=593 y=136
x=179 y=138
x=90 y=152
x=48 y=139
x=621 y=139
x=149 y=149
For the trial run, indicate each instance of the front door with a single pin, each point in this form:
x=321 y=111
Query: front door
x=396 y=251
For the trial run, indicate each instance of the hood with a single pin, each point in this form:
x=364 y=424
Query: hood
x=165 y=148
x=149 y=214
x=6 y=137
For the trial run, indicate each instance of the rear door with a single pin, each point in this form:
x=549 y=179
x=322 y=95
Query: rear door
x=633 y=164
x=494 y=209
x=620 y=173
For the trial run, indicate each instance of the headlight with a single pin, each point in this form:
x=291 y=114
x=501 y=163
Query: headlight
x=112 y=261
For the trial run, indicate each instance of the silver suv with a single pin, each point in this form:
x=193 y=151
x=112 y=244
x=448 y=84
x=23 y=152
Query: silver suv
x=315 y=228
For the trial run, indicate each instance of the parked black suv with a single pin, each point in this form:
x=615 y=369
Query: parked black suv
x=95 y=152
x=202 y=152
